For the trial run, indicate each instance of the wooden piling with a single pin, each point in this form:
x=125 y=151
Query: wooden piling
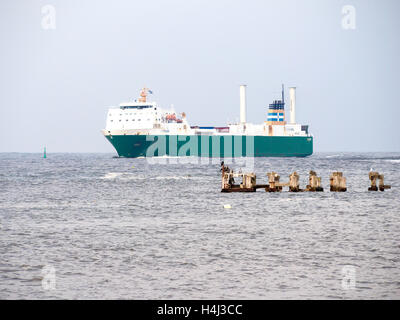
x=373 y=176
x=248 y=184
x=294 y=185
x=249 y=180
x=383 y=186
x=228 y=181
x=314 y=182
x=337 y=182
x=273 y=182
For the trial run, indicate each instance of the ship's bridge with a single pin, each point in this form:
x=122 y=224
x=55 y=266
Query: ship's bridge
x=144 y=116
x=133 y=115
x=137 y=105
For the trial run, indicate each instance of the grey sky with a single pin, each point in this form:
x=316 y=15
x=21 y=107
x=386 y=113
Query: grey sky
x=56 y=85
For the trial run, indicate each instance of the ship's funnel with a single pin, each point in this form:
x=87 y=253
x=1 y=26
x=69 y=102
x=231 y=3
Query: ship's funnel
x=292 y=93
x=243 y=103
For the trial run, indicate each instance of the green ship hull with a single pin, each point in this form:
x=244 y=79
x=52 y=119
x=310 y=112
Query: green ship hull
x=221 y=146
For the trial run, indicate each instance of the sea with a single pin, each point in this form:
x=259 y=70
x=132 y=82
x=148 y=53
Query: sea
x=94 y=226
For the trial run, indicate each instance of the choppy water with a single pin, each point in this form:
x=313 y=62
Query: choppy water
x=122 y=228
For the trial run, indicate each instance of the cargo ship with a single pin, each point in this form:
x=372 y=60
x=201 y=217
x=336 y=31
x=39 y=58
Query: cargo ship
x=142 y=129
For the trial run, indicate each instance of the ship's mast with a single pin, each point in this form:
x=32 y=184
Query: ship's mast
x=143 y=94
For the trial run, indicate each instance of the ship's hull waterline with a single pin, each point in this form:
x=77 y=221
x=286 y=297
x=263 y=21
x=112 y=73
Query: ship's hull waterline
x=226 y=146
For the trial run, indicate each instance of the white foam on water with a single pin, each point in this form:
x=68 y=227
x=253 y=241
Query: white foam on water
x=334 y=156
x=394 y=160
x=131 y=176
x=112 y=175
x=172 y=178
x=122 y=176
x=166 y=157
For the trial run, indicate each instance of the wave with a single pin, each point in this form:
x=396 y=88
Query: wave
x=172 y=178
x=131 y=176
x=112 y=175
x=334 y=156
x=393 y=160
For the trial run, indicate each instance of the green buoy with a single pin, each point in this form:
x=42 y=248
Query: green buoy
x=44 y=153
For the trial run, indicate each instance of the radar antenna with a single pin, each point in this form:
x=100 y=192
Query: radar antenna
x=143 y=94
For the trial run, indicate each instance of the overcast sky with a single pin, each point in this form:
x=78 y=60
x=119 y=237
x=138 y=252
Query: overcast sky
x=56 y=84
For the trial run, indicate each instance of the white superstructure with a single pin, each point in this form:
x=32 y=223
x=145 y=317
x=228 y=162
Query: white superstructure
x=144 y=118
